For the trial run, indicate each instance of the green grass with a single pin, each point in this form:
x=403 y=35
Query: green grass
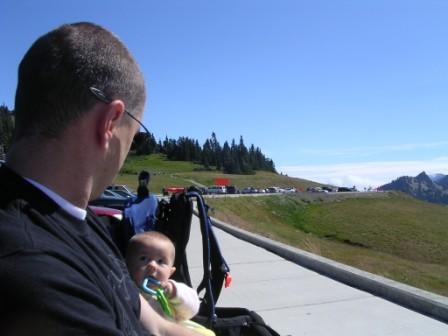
x=388 y=234
x=384 y=233
x=183 y=174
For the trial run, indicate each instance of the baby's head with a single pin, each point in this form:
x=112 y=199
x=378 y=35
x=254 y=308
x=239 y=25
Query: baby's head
x=150 y=254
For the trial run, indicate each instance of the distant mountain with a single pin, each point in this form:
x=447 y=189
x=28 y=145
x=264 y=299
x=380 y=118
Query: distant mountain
x=436 y=177
x=443 y=182
x=432 y=189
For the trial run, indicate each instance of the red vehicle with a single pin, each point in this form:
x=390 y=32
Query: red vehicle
x=104 y=211
x=172 y=190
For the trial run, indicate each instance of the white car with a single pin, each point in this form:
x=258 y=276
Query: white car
x=217 y=190
x=122 y=189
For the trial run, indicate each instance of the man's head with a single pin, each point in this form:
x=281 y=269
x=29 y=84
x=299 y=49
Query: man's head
x=57 y=71
x=143 y=178
x=150 y=254
x=77 y=86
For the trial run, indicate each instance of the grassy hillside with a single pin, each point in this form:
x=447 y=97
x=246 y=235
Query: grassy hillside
x=182 y=174
x=389 y=234
x=384 y=233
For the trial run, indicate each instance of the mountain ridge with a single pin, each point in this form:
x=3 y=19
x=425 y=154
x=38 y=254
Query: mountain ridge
x=433 y=189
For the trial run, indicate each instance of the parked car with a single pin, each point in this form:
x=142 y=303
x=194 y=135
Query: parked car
x=110 y=199
x=232 y=190
x=105 y=211
x=121 y=189
x=172 y=190
x=249 y=190
x=216 y=190
x=124 y=193
x=345 y=189
x=317 y=189
x=200 y=190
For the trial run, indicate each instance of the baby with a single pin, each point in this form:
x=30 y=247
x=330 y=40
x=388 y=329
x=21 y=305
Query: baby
x=152 y=254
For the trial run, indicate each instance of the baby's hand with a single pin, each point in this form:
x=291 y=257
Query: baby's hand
x=169 y=288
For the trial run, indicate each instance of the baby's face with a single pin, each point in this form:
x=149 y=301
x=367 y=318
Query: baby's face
x=155 y=260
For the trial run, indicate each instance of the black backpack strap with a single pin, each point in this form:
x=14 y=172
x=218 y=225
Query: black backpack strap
x=120 y=231
x=218 y=266
x=215 y=268
x=174 y=220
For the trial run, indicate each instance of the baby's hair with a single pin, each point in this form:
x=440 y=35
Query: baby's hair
x=152 y=235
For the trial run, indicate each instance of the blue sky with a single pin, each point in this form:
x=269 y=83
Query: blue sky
x=334 y=91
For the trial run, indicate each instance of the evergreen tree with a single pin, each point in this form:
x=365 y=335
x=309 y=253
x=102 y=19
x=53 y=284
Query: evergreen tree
x=233 y=159
x=227 y=166
x=144 y=143
x=216 y=150
x=159 y=147
x=197 y=152
x=235 y=167
x=243 y=158
x=170 y=148
x=207 y=154
x=6 y=128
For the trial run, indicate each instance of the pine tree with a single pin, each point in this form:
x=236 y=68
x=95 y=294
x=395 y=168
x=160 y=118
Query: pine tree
x=216 y=152
x=233 y=159
x=6 y=128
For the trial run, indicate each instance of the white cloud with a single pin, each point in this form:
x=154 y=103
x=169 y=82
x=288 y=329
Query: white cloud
x=365 y=174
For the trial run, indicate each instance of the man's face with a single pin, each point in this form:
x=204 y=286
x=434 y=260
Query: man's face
x=126 y=134
x=118 y=150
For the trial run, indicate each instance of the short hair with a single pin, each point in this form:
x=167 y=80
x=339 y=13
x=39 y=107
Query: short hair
x=59 y=68
x=144 y=175
x=143 y=178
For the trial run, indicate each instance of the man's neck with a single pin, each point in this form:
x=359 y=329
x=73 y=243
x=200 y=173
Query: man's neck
x=53 y=166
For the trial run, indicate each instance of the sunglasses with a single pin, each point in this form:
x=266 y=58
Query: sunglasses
x=100 y=95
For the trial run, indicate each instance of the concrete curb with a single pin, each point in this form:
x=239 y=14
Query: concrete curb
x=427 y=303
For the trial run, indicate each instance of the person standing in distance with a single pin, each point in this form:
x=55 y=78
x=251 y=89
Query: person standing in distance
x=79 y=95
x=141 y=211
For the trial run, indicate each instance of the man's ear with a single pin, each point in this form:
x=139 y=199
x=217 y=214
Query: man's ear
x=108 y=121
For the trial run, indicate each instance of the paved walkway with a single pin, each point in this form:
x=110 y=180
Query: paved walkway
x=297 y=301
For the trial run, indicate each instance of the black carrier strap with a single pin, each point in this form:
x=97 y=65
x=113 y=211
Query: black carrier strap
x=120 y=231
x=215 y=267
x=174 y=220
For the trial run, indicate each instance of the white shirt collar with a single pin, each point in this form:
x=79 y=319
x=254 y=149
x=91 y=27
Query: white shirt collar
x=72 y=209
